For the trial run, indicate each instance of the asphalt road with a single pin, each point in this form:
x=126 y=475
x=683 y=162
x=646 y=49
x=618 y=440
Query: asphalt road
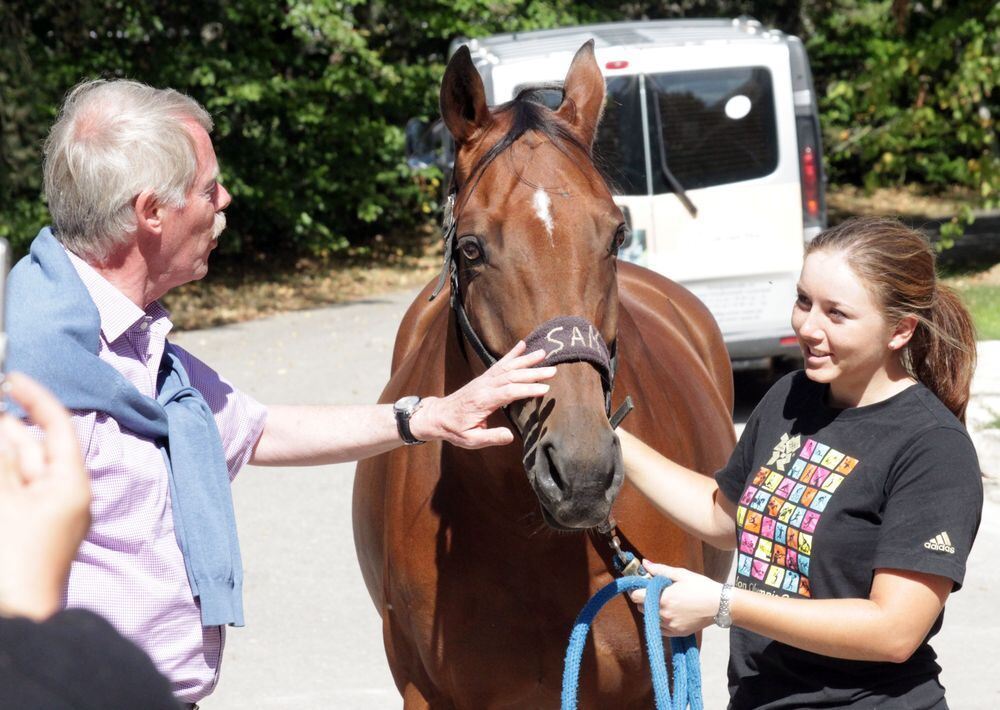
x=313 y=639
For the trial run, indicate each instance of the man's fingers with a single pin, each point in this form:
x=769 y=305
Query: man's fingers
x=516 y=391
x=480 y=438
x=531 y=374
x=520 y=362
x=512 y=353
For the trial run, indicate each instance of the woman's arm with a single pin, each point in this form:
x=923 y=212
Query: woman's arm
x=888 y=626
x=691 y=500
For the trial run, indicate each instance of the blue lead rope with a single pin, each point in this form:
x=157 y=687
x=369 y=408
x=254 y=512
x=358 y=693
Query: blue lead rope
x=686 y=666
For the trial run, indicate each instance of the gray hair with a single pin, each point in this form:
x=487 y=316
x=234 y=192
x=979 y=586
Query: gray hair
x=111 y=141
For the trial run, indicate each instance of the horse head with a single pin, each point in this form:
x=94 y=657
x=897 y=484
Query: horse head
x=534 y=240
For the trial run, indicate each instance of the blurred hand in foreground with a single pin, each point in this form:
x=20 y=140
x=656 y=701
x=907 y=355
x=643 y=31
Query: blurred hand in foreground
x=44 y=502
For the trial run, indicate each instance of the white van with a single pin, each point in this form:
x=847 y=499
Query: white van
x=710 y=141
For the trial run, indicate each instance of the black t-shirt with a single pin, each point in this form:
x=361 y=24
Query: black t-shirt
x=824 y=498
x=76 y=661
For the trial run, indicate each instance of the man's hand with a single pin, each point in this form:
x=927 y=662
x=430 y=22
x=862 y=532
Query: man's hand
x=307 y=436
x=686 y=606
x=460 y=418
x=44 y=503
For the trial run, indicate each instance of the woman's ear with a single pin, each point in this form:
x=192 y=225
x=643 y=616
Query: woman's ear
x=903 y=332
x=148 y=212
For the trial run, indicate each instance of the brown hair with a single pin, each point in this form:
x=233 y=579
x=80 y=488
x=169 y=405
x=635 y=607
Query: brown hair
x=897 y=264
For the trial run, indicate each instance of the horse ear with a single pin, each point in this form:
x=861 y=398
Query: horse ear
x=463 y=98
x=583 y=94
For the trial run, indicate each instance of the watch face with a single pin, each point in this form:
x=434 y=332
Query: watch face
x=406 y=403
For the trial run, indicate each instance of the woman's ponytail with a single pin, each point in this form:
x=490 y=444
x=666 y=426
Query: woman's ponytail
x=942 y=352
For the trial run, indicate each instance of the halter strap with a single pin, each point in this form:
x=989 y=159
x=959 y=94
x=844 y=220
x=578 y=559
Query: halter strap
x=592 y=349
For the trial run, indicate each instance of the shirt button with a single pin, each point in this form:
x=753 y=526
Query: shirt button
x=144 y=326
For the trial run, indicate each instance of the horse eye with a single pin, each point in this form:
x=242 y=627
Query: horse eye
x=621 y=236
x=470 y=250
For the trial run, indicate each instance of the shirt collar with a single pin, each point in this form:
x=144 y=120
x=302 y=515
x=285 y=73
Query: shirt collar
x=118 y=313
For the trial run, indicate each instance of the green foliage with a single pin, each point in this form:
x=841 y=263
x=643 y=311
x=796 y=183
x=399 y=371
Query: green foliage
x=983 y=301
x=310 y=96
x=909 y=93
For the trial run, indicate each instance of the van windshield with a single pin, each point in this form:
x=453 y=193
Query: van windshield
x=718 y=127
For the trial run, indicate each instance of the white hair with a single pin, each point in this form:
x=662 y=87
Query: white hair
x=111 y=141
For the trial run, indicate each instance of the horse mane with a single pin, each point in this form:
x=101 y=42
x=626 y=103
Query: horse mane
x=529 y=113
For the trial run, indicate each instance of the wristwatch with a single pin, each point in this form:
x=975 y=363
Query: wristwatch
x=404 y=408
x=723 y=619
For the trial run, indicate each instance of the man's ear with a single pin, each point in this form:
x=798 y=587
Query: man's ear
x=902 y=333
x=463 y=98
x=148 y=212
x=583 y=95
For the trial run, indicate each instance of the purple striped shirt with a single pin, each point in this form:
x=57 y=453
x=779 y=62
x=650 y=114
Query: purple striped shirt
x=129 y=568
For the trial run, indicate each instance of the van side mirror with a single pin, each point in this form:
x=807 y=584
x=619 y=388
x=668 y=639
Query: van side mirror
x=421 y=150
x=428 y=144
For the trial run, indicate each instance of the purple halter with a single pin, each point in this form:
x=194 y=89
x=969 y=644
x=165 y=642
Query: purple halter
x=571 y=339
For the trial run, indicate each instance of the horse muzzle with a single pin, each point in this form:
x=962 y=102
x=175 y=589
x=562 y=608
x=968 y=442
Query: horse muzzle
x=572 y=456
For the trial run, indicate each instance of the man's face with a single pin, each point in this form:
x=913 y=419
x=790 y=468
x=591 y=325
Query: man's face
x=190 y=233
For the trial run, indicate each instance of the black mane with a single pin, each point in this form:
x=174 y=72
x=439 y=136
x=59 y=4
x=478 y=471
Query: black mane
x=529 y=113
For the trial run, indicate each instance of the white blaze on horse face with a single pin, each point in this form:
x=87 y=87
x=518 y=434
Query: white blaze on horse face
x=543 y=208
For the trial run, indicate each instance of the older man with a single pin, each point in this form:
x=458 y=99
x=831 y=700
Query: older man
x=133 y=187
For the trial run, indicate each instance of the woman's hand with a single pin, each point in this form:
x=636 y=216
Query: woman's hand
x=686 y=606
x=44 y=503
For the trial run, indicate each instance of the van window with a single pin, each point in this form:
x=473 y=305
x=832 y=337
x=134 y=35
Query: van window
x=618 y=148
x=717 y=126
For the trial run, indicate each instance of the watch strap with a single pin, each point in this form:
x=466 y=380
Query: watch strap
x=403 y=425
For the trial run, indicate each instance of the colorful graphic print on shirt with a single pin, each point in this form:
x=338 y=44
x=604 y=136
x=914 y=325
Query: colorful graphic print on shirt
x=779 y=512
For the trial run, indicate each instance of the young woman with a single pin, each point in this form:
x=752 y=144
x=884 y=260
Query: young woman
x=853 y=496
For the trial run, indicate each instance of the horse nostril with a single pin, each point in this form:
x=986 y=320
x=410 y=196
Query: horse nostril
x=553 y=467
x=609 y=478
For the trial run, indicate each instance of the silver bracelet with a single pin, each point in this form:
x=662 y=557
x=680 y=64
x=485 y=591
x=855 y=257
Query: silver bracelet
x=723 y=619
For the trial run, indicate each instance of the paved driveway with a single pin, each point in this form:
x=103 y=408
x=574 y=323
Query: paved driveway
x=313 y=639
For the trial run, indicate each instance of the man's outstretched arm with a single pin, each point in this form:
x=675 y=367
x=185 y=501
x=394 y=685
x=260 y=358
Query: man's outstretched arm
x=312 y=435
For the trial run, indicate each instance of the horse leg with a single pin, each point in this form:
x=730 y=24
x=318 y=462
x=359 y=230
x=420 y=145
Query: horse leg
x=414 y=699
x=418 y=692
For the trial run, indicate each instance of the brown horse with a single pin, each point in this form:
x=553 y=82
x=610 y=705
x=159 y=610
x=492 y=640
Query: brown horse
x=478 y=561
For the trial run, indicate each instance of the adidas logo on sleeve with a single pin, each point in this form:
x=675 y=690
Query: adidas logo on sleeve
x=940 y=543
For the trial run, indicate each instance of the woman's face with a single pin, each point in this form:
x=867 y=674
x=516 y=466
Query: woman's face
x=843 y=335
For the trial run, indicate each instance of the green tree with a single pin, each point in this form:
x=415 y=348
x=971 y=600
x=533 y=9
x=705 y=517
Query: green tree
x=310 y=96
x=909 y=92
